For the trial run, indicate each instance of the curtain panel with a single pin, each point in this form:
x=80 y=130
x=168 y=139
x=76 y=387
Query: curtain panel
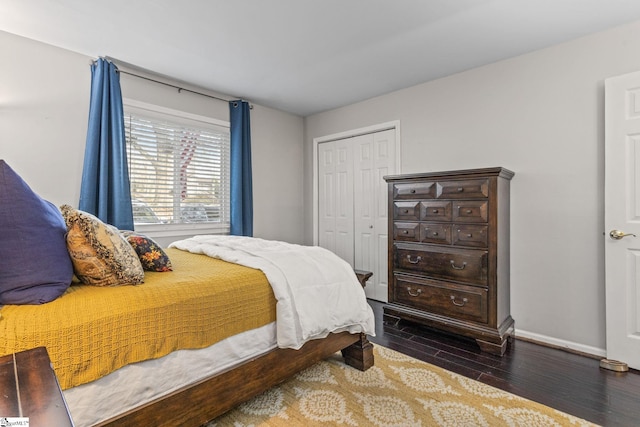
x=105 y=189
x=241 y=186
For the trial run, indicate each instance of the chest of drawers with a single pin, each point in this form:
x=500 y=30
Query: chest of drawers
x=449 y=253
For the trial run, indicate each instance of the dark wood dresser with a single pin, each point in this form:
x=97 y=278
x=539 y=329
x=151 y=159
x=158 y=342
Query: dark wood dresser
x=449 y=253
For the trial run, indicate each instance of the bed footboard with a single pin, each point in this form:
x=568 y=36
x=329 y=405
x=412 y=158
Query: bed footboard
x=201 y=402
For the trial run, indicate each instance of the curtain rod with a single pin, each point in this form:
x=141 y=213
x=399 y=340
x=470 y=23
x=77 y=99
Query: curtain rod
x=180 y=89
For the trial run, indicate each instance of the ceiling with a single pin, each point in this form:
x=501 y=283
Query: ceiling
x=308 y=56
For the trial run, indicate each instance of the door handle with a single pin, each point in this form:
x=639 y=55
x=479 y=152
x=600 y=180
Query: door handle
x=618 y=234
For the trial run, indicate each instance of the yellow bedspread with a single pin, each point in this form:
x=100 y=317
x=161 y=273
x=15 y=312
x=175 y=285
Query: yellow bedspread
x=91 y=331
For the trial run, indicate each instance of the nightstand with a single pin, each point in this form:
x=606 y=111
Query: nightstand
x=363 y=276
x=30 y=389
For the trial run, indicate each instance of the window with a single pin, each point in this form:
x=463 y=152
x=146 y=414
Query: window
x=178 y=167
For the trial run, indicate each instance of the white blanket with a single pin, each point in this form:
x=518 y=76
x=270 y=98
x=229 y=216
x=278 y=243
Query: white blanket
x=316 y=291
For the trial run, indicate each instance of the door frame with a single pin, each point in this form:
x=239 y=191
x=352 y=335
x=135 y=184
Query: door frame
x=395 y=124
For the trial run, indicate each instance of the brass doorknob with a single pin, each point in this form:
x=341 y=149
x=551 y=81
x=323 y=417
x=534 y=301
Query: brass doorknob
x=618 y=234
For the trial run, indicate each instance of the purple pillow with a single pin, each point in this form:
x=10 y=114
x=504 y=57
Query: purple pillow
x=35 y=266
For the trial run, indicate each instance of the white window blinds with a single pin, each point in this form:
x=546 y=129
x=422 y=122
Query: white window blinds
x=178 y=167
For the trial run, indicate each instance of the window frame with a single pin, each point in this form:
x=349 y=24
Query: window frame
x=160 y=112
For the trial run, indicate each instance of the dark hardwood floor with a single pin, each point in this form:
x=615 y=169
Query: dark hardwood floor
x=569 y=382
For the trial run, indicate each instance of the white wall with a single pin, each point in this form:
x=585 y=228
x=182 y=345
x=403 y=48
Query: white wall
x=44 y=104
x=540 y=115
x=278 y=175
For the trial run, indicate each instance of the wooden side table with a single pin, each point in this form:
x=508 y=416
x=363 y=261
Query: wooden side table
x=363 y=276
x=30 y=389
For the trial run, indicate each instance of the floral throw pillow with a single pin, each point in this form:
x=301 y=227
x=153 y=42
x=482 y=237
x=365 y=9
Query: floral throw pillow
x=100 y=255
x=151 y=255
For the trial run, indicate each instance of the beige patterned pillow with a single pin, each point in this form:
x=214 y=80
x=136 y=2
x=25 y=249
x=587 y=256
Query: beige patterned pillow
x=100 y=255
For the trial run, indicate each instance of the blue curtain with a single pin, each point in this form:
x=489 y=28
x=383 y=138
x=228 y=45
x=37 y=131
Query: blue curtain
x=241 y=181
x=105 y=189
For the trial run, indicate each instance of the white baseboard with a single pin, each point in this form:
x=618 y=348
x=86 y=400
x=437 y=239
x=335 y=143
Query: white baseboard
x=569 y=345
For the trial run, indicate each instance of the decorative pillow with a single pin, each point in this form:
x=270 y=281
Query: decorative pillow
x=151 y=255
x=100 y=255
x=35 y=267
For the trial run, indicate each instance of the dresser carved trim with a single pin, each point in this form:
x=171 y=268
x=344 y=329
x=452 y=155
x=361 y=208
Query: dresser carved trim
x=449 y=253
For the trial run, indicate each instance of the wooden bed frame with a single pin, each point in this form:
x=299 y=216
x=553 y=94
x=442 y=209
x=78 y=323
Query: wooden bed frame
x=201 y=402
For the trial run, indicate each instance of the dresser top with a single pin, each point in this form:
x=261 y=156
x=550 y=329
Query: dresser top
x=466 y=173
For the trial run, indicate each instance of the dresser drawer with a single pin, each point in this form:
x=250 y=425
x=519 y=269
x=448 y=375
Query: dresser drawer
x=447 y=299
x=435 y=211
x=406 y=210
x=462 y=265
x=406 y=231
x=415 y=190
x=470 y=211
x=470 y=235
x=435 y=233
x=469 y=189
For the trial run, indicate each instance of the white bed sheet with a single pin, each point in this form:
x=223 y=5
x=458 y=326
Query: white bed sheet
x=139 y=383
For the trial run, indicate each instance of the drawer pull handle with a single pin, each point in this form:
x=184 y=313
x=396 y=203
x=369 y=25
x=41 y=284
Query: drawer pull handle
x=460 y=189
x=414 y=294
x=459 y=304
x=455 y=267
x=417 y=260
x=435 y=211
x=433 y=233
x=406 y=211
x=468 y=234
x=469 y=211
x=405 y=231
x=413 y=191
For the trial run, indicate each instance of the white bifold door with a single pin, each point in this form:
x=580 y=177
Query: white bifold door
x=352 y=202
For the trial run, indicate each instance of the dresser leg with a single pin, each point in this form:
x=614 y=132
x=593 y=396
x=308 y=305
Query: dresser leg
x=359 y=354
x=494 y=348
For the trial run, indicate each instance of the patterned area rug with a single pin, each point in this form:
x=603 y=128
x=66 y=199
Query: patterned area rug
x=397 y=391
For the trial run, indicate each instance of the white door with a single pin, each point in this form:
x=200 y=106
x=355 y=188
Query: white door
x=622 y=218
x=352 y=202
x=374 y=157
x=335 y=189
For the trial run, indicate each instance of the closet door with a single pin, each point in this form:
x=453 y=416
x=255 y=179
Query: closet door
x=335 y=193
x=374 y=157
x=352 y=203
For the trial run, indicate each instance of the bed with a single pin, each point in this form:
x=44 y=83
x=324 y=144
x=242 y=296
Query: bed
x=148 y=336
x=213 y=343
